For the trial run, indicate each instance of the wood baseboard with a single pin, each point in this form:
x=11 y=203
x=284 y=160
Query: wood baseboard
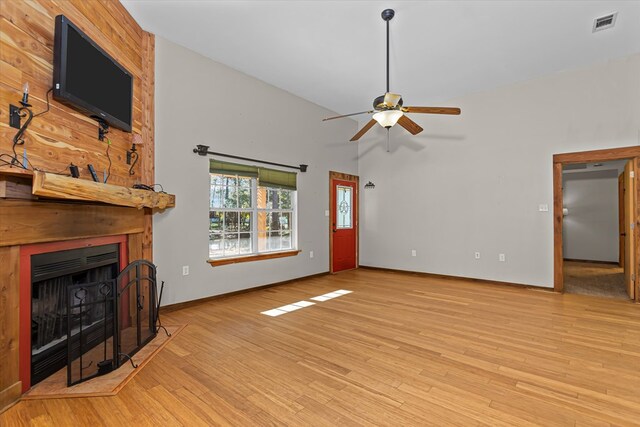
x=448 y=277
x=591 y=261
x=180 y=305
x=10 y=396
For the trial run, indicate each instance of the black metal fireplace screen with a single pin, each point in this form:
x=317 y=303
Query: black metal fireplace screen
x=110 y=320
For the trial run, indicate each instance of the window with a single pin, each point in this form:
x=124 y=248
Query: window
x=251 y=210
x=344 y=206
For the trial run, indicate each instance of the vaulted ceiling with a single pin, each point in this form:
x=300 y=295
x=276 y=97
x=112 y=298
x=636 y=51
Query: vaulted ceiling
x=333 y=52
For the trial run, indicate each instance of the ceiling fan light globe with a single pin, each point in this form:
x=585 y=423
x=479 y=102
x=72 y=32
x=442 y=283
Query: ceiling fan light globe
x=388 y=118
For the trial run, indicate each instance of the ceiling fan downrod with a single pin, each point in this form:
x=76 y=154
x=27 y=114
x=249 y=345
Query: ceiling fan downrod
x=387 y=15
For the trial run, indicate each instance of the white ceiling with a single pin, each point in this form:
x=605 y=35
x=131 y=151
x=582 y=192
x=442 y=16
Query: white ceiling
x=333 y=52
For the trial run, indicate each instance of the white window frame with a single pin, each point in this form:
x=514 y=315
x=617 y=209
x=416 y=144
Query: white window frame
x=254 y=210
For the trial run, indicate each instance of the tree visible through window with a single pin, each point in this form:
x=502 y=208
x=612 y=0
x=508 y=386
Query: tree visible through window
x=248 y=218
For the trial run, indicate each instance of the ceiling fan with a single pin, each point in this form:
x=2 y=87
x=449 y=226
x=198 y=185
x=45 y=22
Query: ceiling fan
x=388 y=109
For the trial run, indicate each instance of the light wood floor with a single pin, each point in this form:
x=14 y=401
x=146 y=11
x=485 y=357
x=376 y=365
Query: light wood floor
x=401 y=350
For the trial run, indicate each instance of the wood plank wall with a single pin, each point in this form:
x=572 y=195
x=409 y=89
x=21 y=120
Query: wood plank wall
x=63 y=136
x=10 y=385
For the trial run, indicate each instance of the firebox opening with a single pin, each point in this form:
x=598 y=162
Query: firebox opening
x=52 y=274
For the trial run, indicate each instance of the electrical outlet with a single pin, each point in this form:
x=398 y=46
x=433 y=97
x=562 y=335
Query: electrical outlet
x=543 y=208
x=477 y=255
x=310 y=254
x=501 y=258
x=185 y=270
x=413 y=252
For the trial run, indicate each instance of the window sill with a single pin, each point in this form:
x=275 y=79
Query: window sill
x=249 y=258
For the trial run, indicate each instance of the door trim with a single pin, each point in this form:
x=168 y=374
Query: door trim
x=356 y=200
x=559 y=160
x=621 y=221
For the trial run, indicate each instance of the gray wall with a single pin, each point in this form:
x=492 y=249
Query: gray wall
x=199 y=101
x=475 y=182
x=590 y=229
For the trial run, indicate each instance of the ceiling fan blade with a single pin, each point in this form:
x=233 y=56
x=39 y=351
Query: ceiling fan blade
x=364 y=130
x=432 y=110
x=391 y=99
x=409 y=125
x=347 y=115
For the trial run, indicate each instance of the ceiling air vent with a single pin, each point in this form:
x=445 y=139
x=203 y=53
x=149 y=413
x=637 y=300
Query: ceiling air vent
x=605 y=22
x=573 y=167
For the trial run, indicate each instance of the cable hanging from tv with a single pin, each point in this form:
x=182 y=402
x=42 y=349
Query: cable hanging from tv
x=203 y=150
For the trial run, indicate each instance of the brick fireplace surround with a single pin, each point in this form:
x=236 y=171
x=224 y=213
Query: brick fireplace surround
x=28 y=227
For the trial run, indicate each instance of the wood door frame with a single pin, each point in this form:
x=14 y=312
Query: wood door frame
x=622 y=221
x=356 y=200
x=559 y=160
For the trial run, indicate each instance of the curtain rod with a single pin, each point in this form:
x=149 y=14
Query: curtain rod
x=203 y=150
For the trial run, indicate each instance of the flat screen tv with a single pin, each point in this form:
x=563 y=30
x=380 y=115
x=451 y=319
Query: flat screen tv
x=87 y=78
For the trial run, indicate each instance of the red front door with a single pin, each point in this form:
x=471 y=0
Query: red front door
x=344 y=224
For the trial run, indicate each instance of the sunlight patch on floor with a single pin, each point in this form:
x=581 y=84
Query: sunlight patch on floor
x=275 y=312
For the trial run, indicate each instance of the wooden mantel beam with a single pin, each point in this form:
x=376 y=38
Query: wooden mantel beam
x=66 y=188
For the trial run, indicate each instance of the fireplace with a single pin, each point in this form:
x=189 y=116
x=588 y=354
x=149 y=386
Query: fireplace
x=82 y=310
x=47 y=271
x=31 y=227
x=53 y=275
